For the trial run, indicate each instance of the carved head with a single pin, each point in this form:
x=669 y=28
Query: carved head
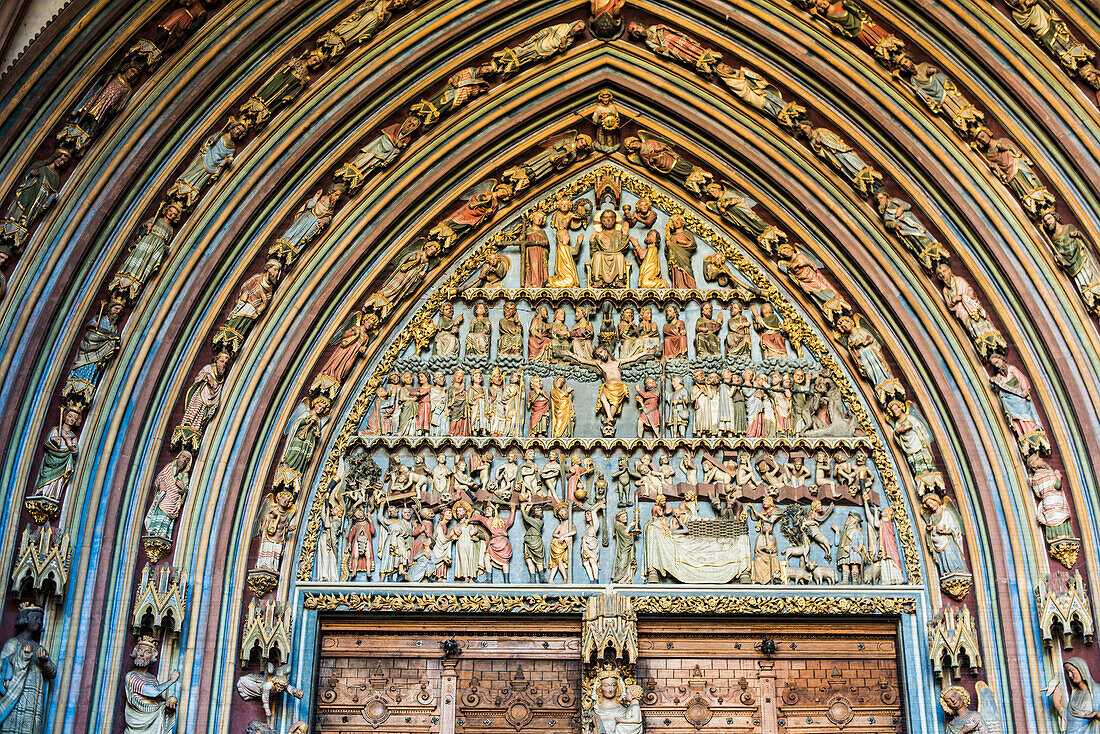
x=954 y=700
x=144 y=654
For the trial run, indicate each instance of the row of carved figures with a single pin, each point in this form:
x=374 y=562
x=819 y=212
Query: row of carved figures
x=547 y=339
x=764 y=405
x=468 y=538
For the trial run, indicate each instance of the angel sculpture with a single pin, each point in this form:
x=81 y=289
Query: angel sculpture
x=557 y=153
x=378 y=153
x=955 y=702
x=252 y=686
x=303 y=428
x=1079 y=708
x=350 y=341
x=482 y=202
x=657 y=153
x=462 y=86
x=416 y=261
x=274 y=527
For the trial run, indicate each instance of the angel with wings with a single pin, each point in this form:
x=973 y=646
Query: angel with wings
x=482 y=202
x=657 y=153
x=274 y=527
x=556 y=154
x=955 y=702
x=303 y=428
x=350 y=341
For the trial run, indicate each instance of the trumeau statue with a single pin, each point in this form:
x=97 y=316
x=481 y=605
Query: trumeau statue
x=25 y=670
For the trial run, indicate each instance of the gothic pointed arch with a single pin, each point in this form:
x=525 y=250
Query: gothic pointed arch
x=287 y=399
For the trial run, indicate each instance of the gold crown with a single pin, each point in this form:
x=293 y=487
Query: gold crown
x=149 y=640
x=28 y=605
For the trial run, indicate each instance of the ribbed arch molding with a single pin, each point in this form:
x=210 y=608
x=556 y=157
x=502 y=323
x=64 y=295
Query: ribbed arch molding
x=58 y=282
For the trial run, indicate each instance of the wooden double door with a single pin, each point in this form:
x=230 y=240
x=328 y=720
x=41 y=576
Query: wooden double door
x=517 y=674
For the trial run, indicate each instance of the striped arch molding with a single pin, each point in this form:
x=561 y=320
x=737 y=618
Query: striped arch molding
x=915 y=179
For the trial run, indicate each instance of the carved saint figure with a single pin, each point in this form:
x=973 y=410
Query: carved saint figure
x=945 y=535
x=252 y=301
x=912 y=437
x=964 y=303
x=59 y=459
x=940 y=93
x=756 y=91
x=274 y=528
x=146 y=254
x=149 y=707
x=169 y=490
x=34 y=195
x=1014 y=168
x=707 y=328
x=838 y=153
x=280 y=88
x=201 y=402
x=1014 y=390
x=25 y=670
x=540 y=46
x=313 y=217
x=1052 y=33
x=97 y=347
x=98 y=108
x=358 y=27
x=1073 y=255
x=608 y=268
x=535 y=248
x=1052 y=511
x=510 y=330
x=674 y=334
x=671 y=44
x=216 y=153
x=897 y=216
x=1079 y=709
x=562 y=416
